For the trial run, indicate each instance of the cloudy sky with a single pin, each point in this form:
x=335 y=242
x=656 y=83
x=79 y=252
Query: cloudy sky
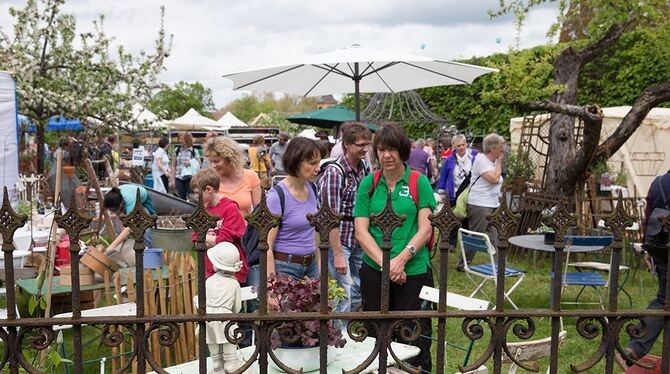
x=213 y=37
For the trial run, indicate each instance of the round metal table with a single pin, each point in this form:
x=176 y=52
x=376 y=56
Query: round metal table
x=536 y=242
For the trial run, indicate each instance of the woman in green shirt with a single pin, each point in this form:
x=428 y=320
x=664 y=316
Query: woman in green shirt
x=410 y=260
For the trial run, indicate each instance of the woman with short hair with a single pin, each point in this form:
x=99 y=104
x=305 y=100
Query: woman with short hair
x=292 y=246
x=485 y=185
x=186 y=164
x=237 y=183
x=456 y=169
x=410 y=260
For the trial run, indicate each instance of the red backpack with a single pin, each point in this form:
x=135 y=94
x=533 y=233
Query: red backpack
x=413 y=192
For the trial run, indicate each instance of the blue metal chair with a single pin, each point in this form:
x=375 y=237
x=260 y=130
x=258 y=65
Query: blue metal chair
x=583 y=279
x=476 y=241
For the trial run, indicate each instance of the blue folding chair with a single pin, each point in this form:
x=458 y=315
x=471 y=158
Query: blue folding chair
x=583 y=279
x=476 y=241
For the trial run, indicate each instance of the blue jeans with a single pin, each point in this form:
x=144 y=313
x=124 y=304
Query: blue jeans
x=297 y=271
x=351 y=281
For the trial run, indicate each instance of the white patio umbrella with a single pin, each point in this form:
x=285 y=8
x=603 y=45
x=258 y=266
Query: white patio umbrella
x=370 y=70
x=191 y=120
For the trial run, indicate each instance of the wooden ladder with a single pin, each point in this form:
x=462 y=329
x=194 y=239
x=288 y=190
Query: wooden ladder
x=103 y=217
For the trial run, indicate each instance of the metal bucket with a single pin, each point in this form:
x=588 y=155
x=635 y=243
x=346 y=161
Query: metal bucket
x=171 y=239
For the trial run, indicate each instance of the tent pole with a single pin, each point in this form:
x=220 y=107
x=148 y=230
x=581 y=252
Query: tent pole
x=357 y=93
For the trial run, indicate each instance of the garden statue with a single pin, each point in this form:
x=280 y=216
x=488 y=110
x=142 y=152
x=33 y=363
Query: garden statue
x=223 y=296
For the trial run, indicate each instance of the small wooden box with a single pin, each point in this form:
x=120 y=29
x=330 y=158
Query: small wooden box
x=86 y=276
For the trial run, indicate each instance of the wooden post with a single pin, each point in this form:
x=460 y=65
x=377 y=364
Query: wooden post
x=53 y=238
x=173 y=310
x=132 y=297
x=151 y=298
x=164 y=309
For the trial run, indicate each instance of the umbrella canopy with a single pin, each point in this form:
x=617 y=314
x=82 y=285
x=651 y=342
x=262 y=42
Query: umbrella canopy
x=327 y=117
x=192 y=120
x=370 y=70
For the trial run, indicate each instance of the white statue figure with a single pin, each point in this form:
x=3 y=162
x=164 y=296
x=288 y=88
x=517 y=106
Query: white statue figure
x=223 y=296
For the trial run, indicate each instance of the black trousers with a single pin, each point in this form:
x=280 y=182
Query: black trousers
x=183 y=187
x=166 y=182
x=405 y=297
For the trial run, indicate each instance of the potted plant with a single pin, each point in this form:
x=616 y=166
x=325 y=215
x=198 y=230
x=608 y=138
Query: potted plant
x=519 y=169
x=301 y=295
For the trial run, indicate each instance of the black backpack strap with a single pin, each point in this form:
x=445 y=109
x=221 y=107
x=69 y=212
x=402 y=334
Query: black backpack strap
x=282 y=198
x=665 y=199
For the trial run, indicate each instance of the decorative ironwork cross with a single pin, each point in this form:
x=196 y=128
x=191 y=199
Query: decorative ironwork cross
x=138 y=221
x=560 y=220
x=504 y=220
x=325 y=219
x=10 y=221
x=446 y=222
x=387 y=221
x=73 y=222
x=200 y=221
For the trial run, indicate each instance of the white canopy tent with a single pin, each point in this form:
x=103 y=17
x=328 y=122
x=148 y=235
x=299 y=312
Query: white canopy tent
x=192 y=120
x=229 y=120
x=146 y=117
x=9 y=160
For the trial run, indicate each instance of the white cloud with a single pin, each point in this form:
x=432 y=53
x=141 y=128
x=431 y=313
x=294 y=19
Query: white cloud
x=214 y=37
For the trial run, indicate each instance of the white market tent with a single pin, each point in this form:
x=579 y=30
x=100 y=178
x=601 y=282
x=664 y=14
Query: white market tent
x=229 y=120
x=192 y=120
x=644 y=155
x=146 y=117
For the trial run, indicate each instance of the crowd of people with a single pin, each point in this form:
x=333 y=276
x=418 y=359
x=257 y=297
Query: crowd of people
x=354 y=186
x=367 y=169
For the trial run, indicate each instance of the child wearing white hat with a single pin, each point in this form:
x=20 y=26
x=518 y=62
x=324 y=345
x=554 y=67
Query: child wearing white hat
x=223 y=296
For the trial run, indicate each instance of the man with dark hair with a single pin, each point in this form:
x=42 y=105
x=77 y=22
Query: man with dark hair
x=656 y=245
x=339 y=184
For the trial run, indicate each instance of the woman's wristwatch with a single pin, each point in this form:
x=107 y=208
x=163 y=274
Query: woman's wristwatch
x=411 y=249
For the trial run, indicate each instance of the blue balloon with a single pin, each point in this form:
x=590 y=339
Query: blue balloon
x=498 y=40
x=423 y=45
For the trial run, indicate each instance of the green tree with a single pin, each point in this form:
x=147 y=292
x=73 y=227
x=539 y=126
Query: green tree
x=591 y=31
x=172 y=102
x=248 y=107
x=60 y=72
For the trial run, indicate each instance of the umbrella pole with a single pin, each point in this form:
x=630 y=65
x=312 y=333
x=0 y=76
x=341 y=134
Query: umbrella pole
x=357 y=93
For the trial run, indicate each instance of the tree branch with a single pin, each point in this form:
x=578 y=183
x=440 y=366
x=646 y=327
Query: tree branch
x=594 y=50
x=588 y=113
x=650 y=98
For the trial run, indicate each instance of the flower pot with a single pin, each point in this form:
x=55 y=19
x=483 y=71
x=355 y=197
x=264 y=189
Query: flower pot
x=68 y=171
x=306 y=358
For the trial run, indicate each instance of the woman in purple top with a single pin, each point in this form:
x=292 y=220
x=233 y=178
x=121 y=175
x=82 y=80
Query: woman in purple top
x=293 y=244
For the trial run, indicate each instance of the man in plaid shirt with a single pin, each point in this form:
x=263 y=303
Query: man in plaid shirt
x=339 y=184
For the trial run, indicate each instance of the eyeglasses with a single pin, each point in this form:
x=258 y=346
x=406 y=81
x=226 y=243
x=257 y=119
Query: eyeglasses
x=361 y=145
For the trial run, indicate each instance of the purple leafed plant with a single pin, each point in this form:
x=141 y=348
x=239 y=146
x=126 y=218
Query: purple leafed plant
x=299 y=295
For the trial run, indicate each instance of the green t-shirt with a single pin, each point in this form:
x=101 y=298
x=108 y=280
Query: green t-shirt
x=402 y=204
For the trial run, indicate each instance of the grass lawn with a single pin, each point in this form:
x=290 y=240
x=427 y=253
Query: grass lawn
x=534 y=293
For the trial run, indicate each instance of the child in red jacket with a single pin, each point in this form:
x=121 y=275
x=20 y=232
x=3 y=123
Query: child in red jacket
x=230 y=226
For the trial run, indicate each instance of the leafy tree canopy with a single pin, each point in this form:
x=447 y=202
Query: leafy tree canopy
x=173 y=101
x=59 y=71
x=248 y=107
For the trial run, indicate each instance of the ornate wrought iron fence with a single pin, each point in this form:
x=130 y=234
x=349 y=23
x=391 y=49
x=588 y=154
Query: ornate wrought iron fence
x=591 y=324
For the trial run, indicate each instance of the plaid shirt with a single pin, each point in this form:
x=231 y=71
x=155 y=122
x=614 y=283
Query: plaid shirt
x=340 y=191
